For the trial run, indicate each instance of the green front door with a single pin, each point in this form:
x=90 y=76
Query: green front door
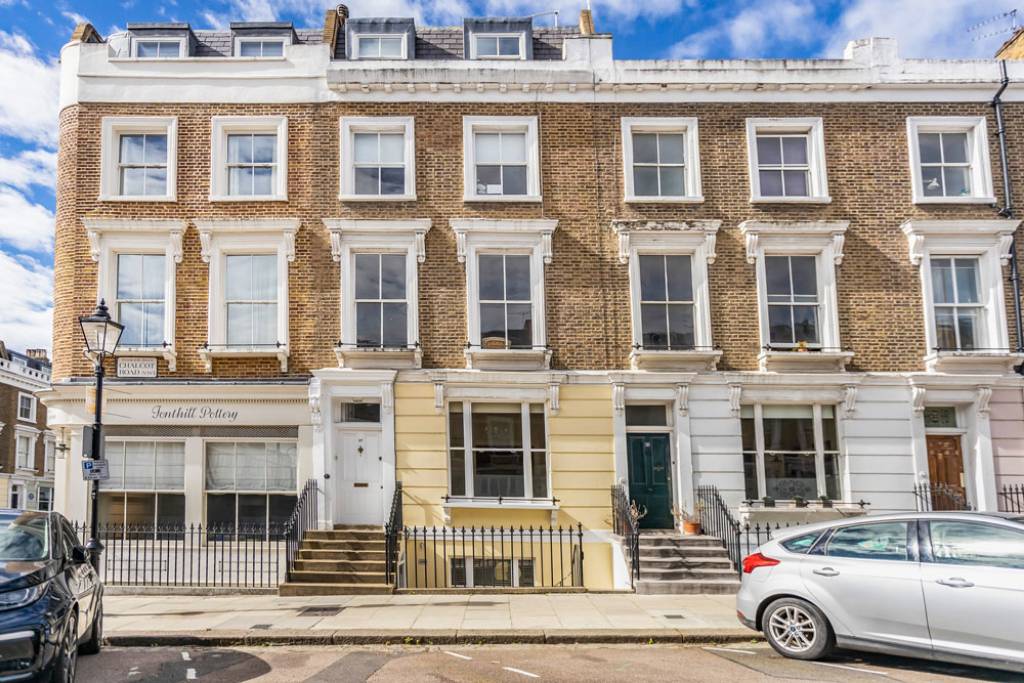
x=649 y=479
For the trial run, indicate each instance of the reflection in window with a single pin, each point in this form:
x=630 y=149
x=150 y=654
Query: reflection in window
x=666 y=301
x=945 y=164
x=142 y=164
x=969 y=543
x=880 y=541
x=379 y=163
x=792 y=289
x=506 y=311
x=252 y=164
x=251 y=299
x=792 y=462
x=658 y=164
x=508 y=452
x=381 y=305
x=498 y=46
x=957 y=302
x=783 y=167
x=140 y=299
x=501 y=164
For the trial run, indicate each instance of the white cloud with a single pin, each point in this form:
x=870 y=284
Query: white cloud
x=24 y=225
x=74 y=17
x=755 y=29
x=26 y=318
x=29 y=110
x=923 y=29
x=31 y=167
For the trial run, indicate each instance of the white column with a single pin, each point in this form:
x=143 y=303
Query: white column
x=984 y=474
x=318 y=439
x=70 y=491
x=195 y=481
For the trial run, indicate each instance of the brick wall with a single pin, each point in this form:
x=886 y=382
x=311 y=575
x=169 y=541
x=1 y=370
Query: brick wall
x=880 y=310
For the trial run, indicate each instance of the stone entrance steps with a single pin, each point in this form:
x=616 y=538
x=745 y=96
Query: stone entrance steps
x=347 y=560
x=674 y=564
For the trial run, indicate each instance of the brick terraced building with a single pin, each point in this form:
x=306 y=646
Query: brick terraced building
x=497 y=265
x=27 y=449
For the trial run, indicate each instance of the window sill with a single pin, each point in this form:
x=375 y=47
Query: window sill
x=166 y=352
x=126 y=198
x=250 y=198
x=519 y=198
x=791 y=200
x=453 y=503
x=954 y=200
x=972 y=362
x=634 y=199
x=508 y=359
x=377 y=197
x=207 y=354
x=804 y=361
x=377 y=358
x=681 y=360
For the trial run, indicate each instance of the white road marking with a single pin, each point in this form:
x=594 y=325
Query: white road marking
x=190 y=674
x=456 y=654
x=185 y=657
x=730 y=649
x=852 y=668
x=134 y=671
x=520 y=672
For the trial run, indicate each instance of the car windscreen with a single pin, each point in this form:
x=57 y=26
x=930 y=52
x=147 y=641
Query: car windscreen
x=24 y=537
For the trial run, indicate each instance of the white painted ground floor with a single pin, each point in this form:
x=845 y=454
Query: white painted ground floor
x=478 y=447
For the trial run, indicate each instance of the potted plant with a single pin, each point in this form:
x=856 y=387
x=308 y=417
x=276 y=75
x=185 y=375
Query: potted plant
x=690 y=522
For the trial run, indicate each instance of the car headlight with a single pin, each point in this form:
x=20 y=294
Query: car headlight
x=21 y=596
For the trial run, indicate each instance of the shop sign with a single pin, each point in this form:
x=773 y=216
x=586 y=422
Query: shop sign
x=136 y=368
x=199 y=413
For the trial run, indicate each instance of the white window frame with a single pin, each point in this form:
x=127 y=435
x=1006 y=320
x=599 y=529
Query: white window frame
x=467 y=448
x=222 y=127
x=239 y=40
x=350 y=125
x=111 y=130
x=990 y=242
x=32 y=435
x=825 y=241
x=236 y=492
x=483 y=236
x=693 y=193
x=516 y=562
x=976 y=128
x=110 y=237
x=814 y=129
x=819 y=450
x=474 y=49
x=221 y=238
x=500 y=124
x=49 y=498
x=350 y=237
x=124 y=491
x=357 y=38
x=49 y=452
x=32 y=407
x=181 y=41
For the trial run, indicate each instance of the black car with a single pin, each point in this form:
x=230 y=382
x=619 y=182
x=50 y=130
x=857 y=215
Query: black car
x=51 y=599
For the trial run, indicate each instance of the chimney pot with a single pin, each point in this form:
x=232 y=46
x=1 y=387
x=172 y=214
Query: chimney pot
x=586 y=23
x=343 y=13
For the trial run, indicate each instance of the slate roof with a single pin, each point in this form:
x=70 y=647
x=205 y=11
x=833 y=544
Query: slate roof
x=431 y=42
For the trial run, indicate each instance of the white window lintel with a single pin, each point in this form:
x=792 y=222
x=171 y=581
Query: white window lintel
x=510 y=233
x=667 y=236
x=794 y=237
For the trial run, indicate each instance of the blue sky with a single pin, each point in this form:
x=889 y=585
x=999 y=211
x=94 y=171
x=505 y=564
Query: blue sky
x=32 y=32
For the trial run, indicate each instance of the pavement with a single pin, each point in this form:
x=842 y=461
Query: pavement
x=429 y=619
x=508 y=664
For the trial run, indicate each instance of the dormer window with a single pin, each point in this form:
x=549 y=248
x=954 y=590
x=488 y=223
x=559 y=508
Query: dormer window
x=258 y=48
x=380 y=47
x=162 y=48
x=498 y=46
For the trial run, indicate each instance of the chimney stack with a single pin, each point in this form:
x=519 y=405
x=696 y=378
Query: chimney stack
x=342 y=14
x=37 y=354
x=586 y=23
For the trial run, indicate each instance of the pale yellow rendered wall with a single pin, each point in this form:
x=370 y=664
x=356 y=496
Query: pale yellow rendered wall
x=581 y=447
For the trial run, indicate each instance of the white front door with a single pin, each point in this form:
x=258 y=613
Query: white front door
x=360 y=487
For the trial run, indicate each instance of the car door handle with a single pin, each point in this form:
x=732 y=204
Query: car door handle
x=955 y=582
x=826 y=571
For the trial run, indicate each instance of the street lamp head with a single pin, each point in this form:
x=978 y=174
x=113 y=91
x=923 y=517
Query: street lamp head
x=101 y=333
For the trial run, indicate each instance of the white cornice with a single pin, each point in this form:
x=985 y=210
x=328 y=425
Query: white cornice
x=382 y=231
x=286 y=227
x=541 y=228
x=810 y=232
x=675 y=233
x=996 y=231
x=95 y=228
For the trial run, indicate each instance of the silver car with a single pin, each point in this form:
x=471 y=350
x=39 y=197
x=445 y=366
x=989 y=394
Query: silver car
x=943 y=585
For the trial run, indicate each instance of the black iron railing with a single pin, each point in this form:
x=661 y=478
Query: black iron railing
x=391 y=533
x=626 y=523
x=190 y=556
x=482 y=557
x=1011 y=498
x=304 y=517
x=717 y=520
x=936 y=497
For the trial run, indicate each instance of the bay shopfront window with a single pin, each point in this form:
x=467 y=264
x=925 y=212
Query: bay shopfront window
x=146 y=488
x=790 y=451
x=497 y=450
x=250 y=485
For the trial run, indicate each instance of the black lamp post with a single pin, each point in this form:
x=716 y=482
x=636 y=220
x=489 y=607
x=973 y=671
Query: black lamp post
x=101 y=338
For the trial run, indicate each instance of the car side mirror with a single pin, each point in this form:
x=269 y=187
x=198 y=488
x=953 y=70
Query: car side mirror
x=78 y=555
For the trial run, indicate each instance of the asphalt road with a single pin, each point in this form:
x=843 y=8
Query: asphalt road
x=514 y=663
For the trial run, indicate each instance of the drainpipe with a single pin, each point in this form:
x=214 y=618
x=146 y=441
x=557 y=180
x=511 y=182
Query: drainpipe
x=1007 y=210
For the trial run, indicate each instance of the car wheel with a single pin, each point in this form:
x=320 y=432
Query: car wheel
x=66 y=666
x=95 y=642
x=797 y=629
